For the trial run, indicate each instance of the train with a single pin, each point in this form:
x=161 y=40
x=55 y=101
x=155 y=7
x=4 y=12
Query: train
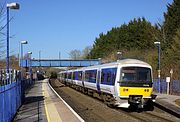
x=124 y=83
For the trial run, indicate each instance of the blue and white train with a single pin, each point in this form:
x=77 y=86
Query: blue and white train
x=123 y=83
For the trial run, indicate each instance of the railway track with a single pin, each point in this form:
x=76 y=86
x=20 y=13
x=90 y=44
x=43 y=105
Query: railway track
x=91 y=109
x=147 y=116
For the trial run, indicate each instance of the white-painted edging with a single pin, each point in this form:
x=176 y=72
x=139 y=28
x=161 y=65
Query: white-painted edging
x=66 y=104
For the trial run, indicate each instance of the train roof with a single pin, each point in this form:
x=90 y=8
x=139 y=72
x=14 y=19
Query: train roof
x=132 y=61
x=124 y=61
x=119 y=62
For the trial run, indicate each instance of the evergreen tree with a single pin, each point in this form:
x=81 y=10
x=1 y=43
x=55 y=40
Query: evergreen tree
x=172 y=21
x=137 y=34
x=174 y=51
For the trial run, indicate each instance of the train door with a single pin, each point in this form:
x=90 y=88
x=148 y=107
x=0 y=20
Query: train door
x=117 y=85
x=98 y=80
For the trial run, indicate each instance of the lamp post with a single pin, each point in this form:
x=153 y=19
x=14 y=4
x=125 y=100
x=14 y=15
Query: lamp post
x=39 y=58
x=30 y=70
x=9 y=6
x=159 y=69
x=21 y=59
x=119 y=55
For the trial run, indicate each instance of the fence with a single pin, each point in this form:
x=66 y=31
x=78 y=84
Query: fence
x=10 y=100
x=175 y=88
x=8 y=78
x=12 y=93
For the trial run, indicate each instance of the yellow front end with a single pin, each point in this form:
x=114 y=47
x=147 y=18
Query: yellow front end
x=127 y=91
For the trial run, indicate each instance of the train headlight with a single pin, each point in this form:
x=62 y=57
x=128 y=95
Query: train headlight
x=125 y=90
x=146 y=90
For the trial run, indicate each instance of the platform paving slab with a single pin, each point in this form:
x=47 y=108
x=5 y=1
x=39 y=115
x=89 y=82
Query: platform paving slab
x=33 y=108
x=42 y=104
x=168 y=103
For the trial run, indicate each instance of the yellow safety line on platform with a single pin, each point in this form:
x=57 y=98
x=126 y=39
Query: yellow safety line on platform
x=81 y=120
x=47 y=114
x=52 y=113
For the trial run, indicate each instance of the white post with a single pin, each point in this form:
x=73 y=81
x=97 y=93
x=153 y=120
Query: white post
x=171 y=85
x=168 y=81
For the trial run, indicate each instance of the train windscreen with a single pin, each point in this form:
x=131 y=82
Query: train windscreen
x=135 y=76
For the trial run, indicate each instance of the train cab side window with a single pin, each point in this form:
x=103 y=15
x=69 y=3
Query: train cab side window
x=113 y=77
x=114 y=70
x=109 y=76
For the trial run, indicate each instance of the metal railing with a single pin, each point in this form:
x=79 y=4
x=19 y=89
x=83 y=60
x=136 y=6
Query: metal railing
x=8 y=78
x=59 y=63
x=12 y=93
x=174 y=86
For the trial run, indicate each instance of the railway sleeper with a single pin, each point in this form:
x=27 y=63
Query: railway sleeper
x=106 y=98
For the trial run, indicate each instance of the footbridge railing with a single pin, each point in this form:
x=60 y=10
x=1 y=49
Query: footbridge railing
x=59 y=63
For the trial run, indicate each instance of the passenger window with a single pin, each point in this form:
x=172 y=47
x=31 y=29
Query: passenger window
x=102 y=77
x=79 y=75
x=86 y=76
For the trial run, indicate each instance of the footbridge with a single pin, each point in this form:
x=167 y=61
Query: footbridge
x=59 y=63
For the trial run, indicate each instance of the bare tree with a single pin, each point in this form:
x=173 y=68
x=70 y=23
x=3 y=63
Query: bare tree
x=2 y=35
x=86 y=52
x=75 y=54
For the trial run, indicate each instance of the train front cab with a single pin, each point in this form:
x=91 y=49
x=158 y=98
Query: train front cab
x=135 y=86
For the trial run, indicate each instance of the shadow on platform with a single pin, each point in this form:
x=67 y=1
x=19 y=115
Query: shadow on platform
x=33 y=99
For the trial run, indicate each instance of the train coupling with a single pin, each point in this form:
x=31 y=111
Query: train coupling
x=135 y=99
x=153 y=97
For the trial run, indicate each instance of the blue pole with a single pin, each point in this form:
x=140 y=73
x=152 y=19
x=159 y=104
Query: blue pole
x=7 y=58
x=22 y=82
x=21 y=61
x=159 y=68
x=30 y=68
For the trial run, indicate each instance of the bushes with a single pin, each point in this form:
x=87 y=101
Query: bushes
x=53 y=75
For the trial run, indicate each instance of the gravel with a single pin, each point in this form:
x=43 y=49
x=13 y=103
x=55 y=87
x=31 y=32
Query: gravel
x=93 y=110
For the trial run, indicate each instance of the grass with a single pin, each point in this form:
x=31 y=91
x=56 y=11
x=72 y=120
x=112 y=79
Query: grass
x=177 y=102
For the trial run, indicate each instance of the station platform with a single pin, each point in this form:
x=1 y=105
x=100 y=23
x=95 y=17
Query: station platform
x=43 y=104
x=170 y=103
